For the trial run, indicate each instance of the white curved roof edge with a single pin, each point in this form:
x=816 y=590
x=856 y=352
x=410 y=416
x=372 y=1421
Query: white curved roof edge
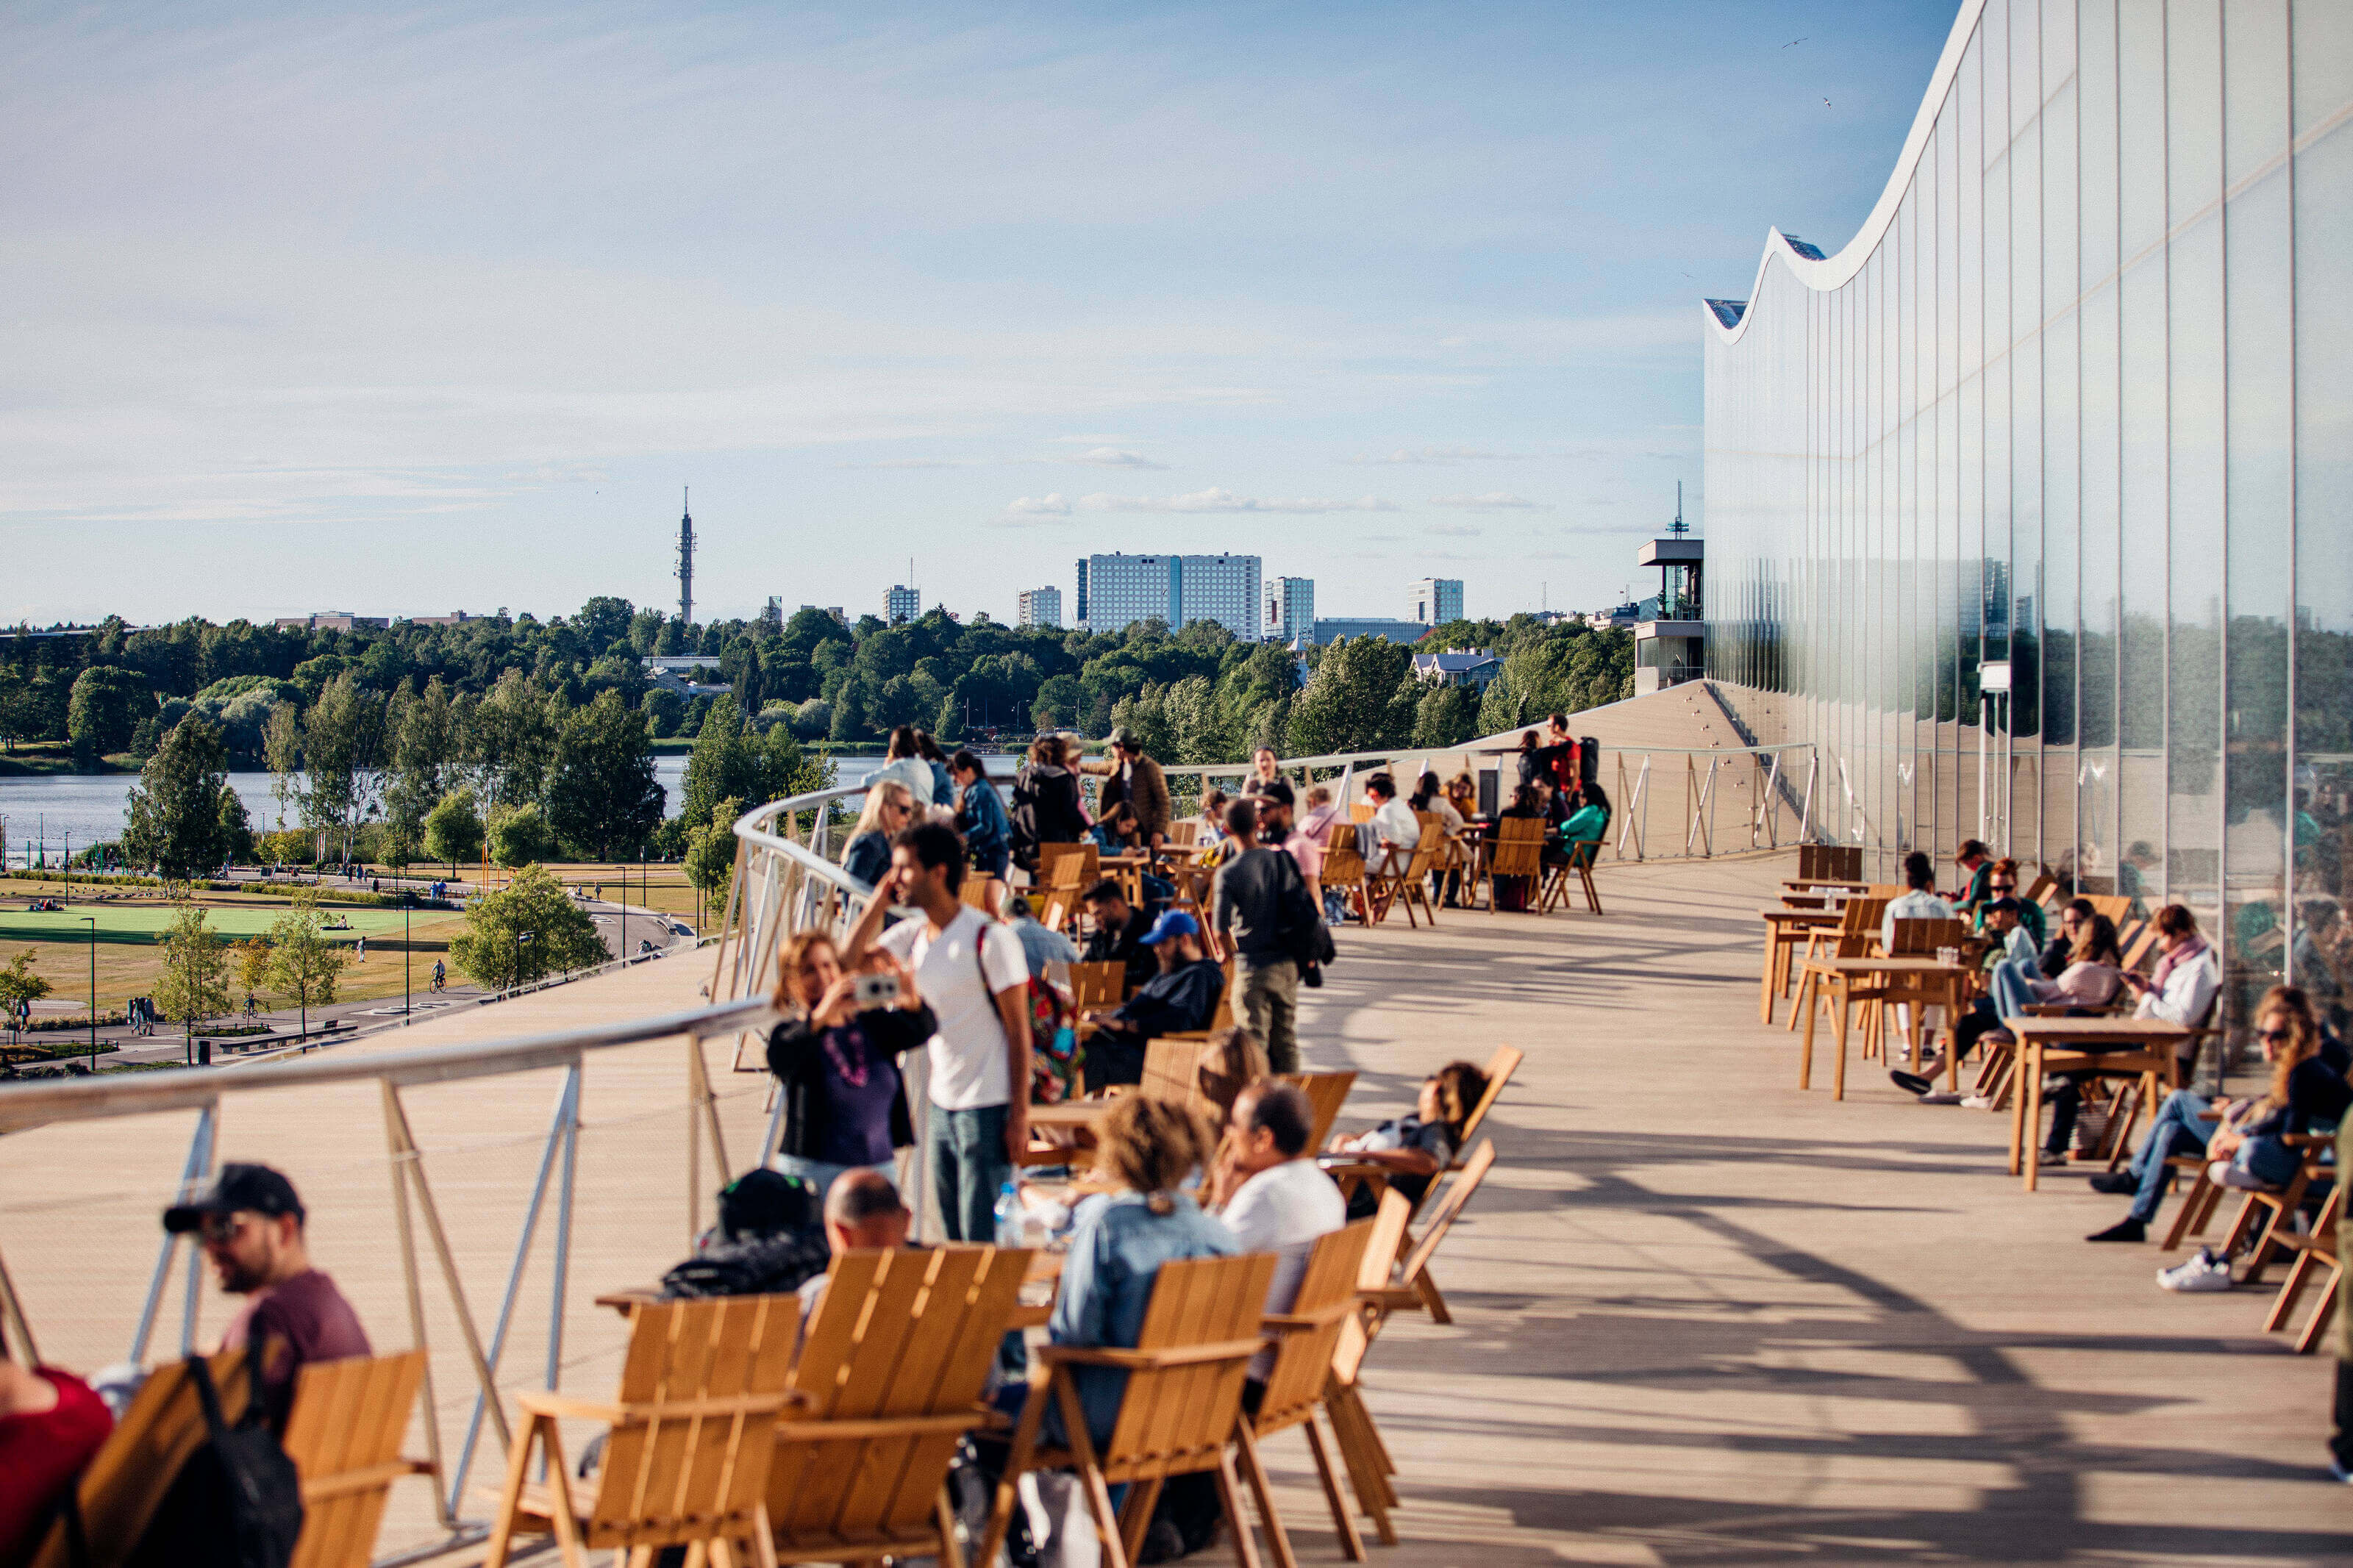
x=1835 y=272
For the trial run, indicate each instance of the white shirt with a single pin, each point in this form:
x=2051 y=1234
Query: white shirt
x=2188 y=990
x=913 y=772
x=1448 y=817
x=1396 y=824
x=1282 y=1210
x=970 y=1065
x=1914 y=905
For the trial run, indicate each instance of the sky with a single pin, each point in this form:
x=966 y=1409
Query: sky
x=402 y=312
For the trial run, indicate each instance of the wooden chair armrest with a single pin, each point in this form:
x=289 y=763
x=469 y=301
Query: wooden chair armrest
x=1146 y=1361
x=544 y=1402
x=540 y=1402
x=1296 y=1322
x=1393 y=1295
x=2310 y=1140
x=1336 y=1167
x=349 y=1481
x=979 y=1415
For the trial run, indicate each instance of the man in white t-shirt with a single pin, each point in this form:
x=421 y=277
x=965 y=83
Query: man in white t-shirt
x=1284 y=1201
x=1395 y=828
x=976 y=977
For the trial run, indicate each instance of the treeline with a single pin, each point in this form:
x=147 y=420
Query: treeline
x=507 y=688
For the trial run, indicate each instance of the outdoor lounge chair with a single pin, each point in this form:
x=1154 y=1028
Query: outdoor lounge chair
x=343 y=1436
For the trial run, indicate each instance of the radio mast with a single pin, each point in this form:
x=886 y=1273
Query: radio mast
x=685 y=571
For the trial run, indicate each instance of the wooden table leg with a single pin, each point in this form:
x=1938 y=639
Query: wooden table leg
x=2031 y=1093
x=1953 y=1042
x=1810 y=999
x=1840 y=993
x=1765 y=986
x=2017 y=1109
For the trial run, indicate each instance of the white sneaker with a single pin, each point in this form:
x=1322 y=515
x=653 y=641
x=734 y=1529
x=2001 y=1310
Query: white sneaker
x=2228 y=1174
x=2201 y=1274
x=1976 y=1102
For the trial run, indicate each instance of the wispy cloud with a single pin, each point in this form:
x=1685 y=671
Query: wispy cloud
x=1112 y=458
x=1212 y=501
x=914 y=463
x=1454 y=530
x=1440 y=454
x=1492 y=500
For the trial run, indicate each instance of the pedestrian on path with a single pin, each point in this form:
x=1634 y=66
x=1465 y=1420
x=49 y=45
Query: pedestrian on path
x=1256 y=887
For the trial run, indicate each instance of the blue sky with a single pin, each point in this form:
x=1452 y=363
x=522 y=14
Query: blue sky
x=403 y=311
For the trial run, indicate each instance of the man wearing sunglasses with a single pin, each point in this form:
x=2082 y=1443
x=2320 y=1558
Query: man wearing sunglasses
x=2003 y=884
x=249 y=1223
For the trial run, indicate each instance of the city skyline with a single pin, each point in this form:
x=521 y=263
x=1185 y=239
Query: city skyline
x=995 y=293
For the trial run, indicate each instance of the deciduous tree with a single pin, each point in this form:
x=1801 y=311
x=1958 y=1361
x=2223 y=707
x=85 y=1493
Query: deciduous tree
x=602 y=795
x=193 y=985
x=524 y=932
x=181 y=813
x=304 y=966
x=453 y=829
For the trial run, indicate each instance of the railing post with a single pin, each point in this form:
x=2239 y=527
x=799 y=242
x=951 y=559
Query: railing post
x=193 y=1172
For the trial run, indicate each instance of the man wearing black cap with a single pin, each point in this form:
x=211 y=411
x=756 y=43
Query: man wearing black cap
x=250 y=1224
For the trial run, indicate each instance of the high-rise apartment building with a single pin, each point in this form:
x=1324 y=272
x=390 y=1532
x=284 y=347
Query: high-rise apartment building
x=1291 y=610
x=1115 y=590
x=1040 y=608
x=901 y=605
x=1437 y=600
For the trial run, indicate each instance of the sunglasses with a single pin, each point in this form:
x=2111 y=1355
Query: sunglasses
x=218 y=1228
x=2274 y=1035
x=2004 y=886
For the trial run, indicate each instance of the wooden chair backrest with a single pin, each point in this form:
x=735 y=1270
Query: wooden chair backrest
x=977 y=890
x=127 y=1477
x=1098 y=985
x=1185 y=833
x=2043 y=889
x=1919 y=939
x=1172 y=1072
x=1223 y=1019
x=1830 y=862
x=1450 y=1208
x=1302 y=1356
x=2142 y=944
x=1500 y=1068
x=343 y=1436
x=1519 y=847
x=1344 y=861
x=1859 y=926
x=1361 y=810
x=1373 y=1272
x=674 y=1472
x=1176 y=1419
x=1327 y=1093
x=2117 y=907
x=1069 y=872
x=1889 y=891
x=900 y=1335
x=1428 y=850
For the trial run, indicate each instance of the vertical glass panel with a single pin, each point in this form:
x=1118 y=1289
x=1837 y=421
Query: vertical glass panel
x=2324 y=489
x=2194 y=384
x=2141 y=500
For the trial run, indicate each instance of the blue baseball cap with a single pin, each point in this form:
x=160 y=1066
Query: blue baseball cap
x=1172 y=922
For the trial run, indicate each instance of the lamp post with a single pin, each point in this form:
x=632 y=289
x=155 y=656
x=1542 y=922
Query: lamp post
x=68 y=899
x=92 y=922
x=407 y=902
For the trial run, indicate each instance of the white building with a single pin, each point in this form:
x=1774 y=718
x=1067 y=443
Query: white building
x=1118 y=589
x=1040 y=608
x=1438 y=600
x=1291 y=609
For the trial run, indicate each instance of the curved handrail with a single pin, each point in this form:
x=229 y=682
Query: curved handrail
x=1822 y=274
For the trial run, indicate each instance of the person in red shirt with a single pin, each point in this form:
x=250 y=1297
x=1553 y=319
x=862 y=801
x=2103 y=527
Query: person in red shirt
x=51 y=1425
x=251 y=1223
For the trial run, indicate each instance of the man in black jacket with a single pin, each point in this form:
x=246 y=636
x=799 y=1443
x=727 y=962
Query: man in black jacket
x=1254 y=886
x=1181 y=998
x=1119 y=936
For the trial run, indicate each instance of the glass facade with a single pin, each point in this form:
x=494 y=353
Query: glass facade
x=2075 y=401
x=1117 y=589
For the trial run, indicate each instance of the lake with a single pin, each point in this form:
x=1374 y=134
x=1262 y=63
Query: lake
x=52 y=808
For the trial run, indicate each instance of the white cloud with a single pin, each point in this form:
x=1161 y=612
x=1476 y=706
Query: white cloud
x=1035 y=509
x=1454 y=530
x=913 y=463
x=1114 y=458
x=1212 y=500
x=1492 y=500
x=1441 y=454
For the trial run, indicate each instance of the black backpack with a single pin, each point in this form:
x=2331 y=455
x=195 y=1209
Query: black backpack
x=1299 y=924
x=238 y=1502
x=755 y=1266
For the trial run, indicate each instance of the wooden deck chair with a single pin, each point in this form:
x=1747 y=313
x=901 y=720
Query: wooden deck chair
x=892 y=1372
x=1518 y=851
x=343 y=1436
x=980 y=892
x=2317 y=1263
x=1501 y=1066
x=1326 y=1092
x=127 y=1477
x=1098 y=985
x=2268 y=1214
x=692 y=1430
x=1344 y=864
x=2043 y=890
x=1361 y=810
x=1362 y=1451
x=1579 y=865
x=1172 y=1071
x=1304 y=1340
x=2117 y=907
x=1184 y=833
x=1407 y=883
x=1857 y=935
x=1415 y=1282
x=1067 y=882
x=1180 y=1413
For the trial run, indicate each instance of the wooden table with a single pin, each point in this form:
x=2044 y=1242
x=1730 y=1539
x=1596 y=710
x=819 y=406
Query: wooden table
x=1920 y=977
x=1784 y=930
x=1079 y=1115
x=2149 y=1047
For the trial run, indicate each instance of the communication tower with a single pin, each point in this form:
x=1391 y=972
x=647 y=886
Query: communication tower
x=685 y=571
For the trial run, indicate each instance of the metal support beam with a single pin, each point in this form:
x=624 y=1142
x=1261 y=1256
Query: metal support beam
x=194 y=1172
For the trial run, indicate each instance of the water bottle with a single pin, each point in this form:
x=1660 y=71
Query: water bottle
x=1008 y=1214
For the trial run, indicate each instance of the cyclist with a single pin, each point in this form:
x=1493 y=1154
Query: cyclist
x=440 y=975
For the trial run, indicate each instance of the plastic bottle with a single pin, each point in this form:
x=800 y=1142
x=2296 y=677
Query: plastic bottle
x=1008 y=1215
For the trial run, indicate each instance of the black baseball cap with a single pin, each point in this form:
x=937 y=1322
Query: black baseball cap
x=1277 y=791
x=241 y=1189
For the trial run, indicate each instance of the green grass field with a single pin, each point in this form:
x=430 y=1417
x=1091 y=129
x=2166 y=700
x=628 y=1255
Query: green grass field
x=141 y=922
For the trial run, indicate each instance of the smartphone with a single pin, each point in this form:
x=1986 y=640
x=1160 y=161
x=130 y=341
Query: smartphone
x=877 y=991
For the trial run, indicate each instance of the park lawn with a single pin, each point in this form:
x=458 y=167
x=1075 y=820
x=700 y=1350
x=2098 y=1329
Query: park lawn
x=128 y=966
x=145 y=920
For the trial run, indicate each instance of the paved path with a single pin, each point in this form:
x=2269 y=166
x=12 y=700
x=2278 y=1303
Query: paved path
x=1702 y=1318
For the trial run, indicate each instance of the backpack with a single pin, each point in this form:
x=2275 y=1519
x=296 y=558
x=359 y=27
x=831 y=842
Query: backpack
x=1299 y=924
x=238 y=1502
x=757 y=1266
x=1055 y=1054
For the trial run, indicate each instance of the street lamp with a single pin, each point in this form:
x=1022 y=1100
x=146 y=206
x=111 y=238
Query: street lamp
x=92 y=922
x=407 y=902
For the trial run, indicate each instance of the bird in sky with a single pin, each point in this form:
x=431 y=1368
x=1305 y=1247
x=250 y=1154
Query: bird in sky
x=1826 y=103
x=1793 y=43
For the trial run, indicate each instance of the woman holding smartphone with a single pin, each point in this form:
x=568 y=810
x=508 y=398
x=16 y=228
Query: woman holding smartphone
x=837 y=1056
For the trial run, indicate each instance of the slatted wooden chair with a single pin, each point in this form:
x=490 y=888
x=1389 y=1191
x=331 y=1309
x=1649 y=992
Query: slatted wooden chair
x=891 y=1373
x=1361 y=810
x=1344 y=864
x=1327 y=1093
x=1366 y=1457
x=1913 y=939
x=1179 y=1415
x=2268 y=1214
x=1518 y=851
x=1184 y=833
x=984 y=893
x=1579 y=865
x=1068 y=876
x=2317 y=1263
x=1407 y=883
x=1500 y=1065
x=127 y=1477
x=2043 y=890
x=1098 y=985
x=1172 y=1071
x=691 y=1432
x=1414 y=1272
x=2117 y=907
x=1830 y=862
x=1305 y=1337
x=343 y=1435
x=1857 y=935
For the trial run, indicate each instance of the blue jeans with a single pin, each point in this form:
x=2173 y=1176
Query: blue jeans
x=2175 y=1131
x=2013 y=988
x=822 y=1174
x=969 y=1165
x=2268 y=1159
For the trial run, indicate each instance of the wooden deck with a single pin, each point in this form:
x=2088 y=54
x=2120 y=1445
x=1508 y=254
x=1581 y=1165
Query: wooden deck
x=1701 y=1317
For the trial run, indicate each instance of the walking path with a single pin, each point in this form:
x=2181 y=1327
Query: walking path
x=1702 y=1318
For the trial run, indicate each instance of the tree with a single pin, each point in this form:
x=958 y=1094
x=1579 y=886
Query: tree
x=193 y=985
x=602 y=795
x=104 y=713
x=304 y=964
x=174 y=817
x=512 y=740
x=427 y=747
x=19 y=986
x=1197 y=728
x=710 y=859
x=453 y=829
x=721 y=766
x=524 y=932
x=253 y=965
x=518 y=836
x=236 y=841
x=344 y=757
x=1360 y=699
x=281 y=750
x=604 y=621
x=1445 y=716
